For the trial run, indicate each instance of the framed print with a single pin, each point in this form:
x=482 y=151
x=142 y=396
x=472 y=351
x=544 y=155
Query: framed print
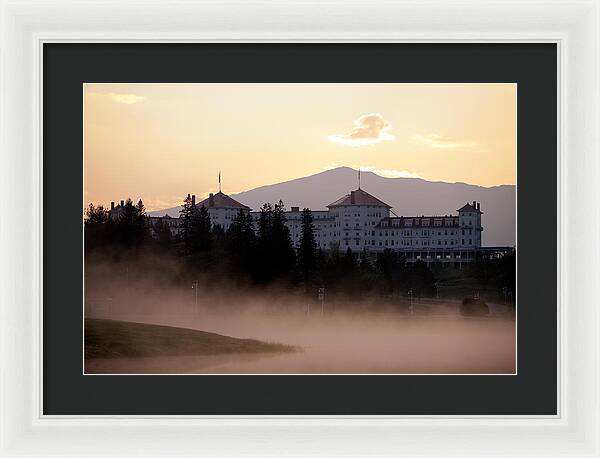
x=271 y=288
x=325 y=239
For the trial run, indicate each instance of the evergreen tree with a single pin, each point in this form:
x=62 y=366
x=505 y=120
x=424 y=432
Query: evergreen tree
x=195 y=236
x=241 y=243
x=130 y=225
x=95 y=226
x=163 y=233
x=186 y=235
x=284 y=256
x=263 y=266
x=141 y=214
x=275 y=254
x=142 y=227
x=95 y=216
x=202 y=230
x=307 y=251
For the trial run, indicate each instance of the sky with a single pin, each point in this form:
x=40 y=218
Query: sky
x=159 y=142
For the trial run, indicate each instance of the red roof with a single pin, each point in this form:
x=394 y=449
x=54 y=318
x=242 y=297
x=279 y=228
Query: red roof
x=220 y=200
x=359 y=197
x=469 y=208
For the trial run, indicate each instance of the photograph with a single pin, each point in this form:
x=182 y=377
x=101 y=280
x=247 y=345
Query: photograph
x=299 y=229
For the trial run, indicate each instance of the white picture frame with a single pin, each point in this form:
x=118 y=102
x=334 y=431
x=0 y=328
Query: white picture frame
x=573 y=25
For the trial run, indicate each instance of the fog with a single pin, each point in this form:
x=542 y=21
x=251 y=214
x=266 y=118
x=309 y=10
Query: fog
x=350 y=337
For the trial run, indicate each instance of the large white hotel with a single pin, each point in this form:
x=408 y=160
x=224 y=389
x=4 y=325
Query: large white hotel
x=361 y=222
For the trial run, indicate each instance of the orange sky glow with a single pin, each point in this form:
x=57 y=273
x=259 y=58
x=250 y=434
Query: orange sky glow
x=159 y=142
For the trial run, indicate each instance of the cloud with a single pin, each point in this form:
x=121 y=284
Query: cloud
x=387 y=173
x=391 y=173
x=368 y=129
x=126 y=99
x=434 y=140
x=157 y=203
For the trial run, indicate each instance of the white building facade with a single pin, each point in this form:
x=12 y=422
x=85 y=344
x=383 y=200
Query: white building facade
x=362 y=223
x=221 y=208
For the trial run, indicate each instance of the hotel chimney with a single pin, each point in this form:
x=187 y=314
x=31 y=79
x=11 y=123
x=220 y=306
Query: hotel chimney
x=193 y=199
x=352 y=197
x=474 y=204
x=478 y=205
x=122 y=203
x=211 y=200
x=112 y=205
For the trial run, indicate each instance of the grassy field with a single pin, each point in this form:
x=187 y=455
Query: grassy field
x=114 y=339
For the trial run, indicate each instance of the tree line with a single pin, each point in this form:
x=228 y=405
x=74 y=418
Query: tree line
x=260 y=252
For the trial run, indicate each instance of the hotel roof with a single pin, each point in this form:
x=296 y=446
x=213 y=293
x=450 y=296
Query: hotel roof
x=469 y=208
x=358 y=197
x=220 y=200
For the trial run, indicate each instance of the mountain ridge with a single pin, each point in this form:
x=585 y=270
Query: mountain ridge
x=407 y=196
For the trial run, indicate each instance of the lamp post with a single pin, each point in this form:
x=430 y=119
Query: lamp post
x=195 y=288
x=321 y=296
